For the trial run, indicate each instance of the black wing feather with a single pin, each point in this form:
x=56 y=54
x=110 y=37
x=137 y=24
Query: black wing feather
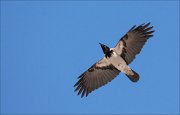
x=133 y=41
x=95 y=77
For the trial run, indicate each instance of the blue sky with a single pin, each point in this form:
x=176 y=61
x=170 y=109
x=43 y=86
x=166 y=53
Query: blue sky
x=41 y=47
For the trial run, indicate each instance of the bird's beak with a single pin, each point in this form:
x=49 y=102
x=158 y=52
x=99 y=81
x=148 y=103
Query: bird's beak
x=104 y=48
x=102 y=45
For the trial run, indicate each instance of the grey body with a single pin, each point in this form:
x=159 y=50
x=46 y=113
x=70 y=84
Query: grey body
x=119 y=63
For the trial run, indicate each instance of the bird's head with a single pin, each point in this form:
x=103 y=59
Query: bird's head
x=105 y=48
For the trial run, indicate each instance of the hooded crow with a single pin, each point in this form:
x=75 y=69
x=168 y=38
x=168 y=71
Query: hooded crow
x=116 y=60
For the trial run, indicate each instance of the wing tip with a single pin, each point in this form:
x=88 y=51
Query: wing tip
x=145 y=28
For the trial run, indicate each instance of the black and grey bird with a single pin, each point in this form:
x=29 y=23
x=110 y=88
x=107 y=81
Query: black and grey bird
x=116 y=60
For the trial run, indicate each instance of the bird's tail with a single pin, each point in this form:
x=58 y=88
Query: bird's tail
x=133 y=78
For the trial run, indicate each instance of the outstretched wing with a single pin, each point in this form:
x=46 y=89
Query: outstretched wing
x=132 y=42
x=96 y=76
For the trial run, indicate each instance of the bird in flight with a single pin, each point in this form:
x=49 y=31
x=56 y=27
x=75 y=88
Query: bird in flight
x=115 y=60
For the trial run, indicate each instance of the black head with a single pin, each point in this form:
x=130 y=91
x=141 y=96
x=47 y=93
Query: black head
x=105 y=48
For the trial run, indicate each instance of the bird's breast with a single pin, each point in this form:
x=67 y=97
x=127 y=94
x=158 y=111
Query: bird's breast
x=117 y=61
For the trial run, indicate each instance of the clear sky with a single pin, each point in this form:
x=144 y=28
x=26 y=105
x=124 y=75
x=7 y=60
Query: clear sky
x=46 y=45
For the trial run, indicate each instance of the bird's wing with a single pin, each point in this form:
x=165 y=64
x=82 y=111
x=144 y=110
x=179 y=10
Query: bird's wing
x=96 y=76
x=132 y=42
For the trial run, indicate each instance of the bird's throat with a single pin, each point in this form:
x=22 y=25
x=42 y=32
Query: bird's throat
x=109 y=54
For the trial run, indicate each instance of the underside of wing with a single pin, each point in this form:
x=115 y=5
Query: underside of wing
x=132 y=42
x=96 y=76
